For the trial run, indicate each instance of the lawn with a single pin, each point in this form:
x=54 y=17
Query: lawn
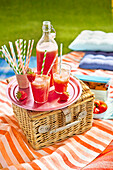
x=23 y=19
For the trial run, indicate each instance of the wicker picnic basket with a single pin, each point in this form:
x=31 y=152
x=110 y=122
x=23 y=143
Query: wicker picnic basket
x=46 y=128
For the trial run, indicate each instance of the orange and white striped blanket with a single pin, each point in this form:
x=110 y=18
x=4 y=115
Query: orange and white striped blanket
x=90 y=150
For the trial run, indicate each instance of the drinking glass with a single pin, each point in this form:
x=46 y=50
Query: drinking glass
x=22 y=81
x=40 y=88
x=61 y=77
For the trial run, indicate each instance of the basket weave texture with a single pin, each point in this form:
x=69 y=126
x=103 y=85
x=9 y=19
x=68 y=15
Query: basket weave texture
x=43 y=129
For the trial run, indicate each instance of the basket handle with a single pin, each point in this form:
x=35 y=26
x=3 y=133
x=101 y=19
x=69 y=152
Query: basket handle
x=81 y=115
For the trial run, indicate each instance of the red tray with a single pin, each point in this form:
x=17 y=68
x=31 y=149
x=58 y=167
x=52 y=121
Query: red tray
x=53 y=103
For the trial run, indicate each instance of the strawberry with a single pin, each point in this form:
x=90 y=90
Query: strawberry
x=64 y=96
x=31 y=76
x=103 y=107
x=96 y=110
x=99 y=106
x=21 y=95
x=97 y=103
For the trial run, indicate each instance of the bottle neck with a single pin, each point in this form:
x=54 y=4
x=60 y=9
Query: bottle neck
x=46 y=35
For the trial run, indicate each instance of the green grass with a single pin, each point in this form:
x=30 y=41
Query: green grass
x=23 y=19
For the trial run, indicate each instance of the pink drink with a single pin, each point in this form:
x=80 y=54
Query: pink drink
x=61 y=81
x=40 y=88
x=61 y=77
x=52 y=52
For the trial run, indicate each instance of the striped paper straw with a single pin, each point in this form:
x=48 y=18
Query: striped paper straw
x=21 y=46
x=61 y=56
x=21 y=55
x=5 y=48
x=13 y=53
x=18 y=54
x=24 y=52
x=43 y=63
x=52 y=65
x=29 y=56
x=10 y=62
x=7 y=54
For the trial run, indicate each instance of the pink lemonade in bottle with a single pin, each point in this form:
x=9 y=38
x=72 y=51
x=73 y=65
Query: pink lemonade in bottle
x=40 y=88
x=48 y=43
x=52 y=52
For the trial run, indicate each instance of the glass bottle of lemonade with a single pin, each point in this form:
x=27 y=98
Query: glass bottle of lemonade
x=48 y=43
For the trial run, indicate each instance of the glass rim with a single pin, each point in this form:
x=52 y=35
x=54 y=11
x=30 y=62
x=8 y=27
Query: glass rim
x=63 y=63
x=38 y=74
x=67 y=64
x=43 y=75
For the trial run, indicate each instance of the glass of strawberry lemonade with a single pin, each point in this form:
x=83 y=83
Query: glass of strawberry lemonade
x=40 y=88
x=61 y=77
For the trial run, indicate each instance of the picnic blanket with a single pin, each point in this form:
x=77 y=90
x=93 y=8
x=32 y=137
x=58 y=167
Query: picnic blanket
x=90 y=150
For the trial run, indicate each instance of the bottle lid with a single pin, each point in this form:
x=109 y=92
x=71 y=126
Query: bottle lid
x=46 y=26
